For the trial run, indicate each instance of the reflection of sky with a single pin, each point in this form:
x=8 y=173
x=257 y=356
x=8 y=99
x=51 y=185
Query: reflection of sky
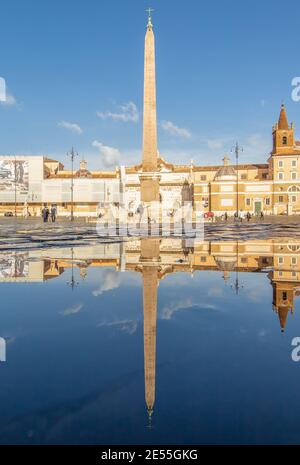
x=74 y=369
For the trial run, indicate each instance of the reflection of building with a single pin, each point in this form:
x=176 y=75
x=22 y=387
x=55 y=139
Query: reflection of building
x=285 y=279
x=154 y=259
x=280 y=258
x=272 y=187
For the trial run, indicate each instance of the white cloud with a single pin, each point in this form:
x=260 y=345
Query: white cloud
x=72 y=310
x=2 y=90
x=8 y=99
x=128 y=326
x=110 y=280
x=111 y=155
x=172 y=307
x=74 y=127
x=128 y=112
x=174 y=130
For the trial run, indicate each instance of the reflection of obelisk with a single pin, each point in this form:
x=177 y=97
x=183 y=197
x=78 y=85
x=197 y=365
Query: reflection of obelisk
x=149 y=261
x=149 y=178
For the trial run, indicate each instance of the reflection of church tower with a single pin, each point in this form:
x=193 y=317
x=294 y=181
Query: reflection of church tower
x=149 y=261
x=149 y=178
x=283 y=301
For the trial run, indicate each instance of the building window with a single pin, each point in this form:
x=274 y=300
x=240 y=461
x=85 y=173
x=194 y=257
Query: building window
x=280 y=260
x=244 y=260
x=265 y=175
x=248 y=202
x=294 y=163
x=243 y=177
x=294 y=274
x=294 y=198
x=268 y=201
x=280 y=164
x=203 y=259
x=284 y=295
x=294 y=260
x=294 y=175
x=284 y=140
x=280 y=199
x=203 y=177
x=280 y=274
x=280 y=176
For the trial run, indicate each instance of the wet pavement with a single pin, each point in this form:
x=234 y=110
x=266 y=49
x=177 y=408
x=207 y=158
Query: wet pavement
x=33 y=233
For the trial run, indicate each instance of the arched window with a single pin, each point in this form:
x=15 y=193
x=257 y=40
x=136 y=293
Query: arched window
x=284 y=140
x=293 y=189
x=294 y=247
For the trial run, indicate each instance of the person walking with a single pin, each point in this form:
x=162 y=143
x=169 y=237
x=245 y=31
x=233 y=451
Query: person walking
x=226 y=216
x=140 y=211
x=248 y=216
x=45 y=213
x=262 y=215
x=53 y=213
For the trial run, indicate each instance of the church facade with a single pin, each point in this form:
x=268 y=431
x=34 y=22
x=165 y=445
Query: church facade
x=28 y=183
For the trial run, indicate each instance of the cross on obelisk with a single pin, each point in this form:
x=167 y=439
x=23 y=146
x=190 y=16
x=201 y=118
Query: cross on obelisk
x=149 y=11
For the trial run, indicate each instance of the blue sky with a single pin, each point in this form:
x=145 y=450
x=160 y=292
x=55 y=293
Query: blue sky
x=74 y=73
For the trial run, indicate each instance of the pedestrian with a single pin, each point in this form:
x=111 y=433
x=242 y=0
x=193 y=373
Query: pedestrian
x=226 y=216
x=248 y=216
x=241 y=215
x=53 y=213
x=262 y=215
x=45 y=213
x=140 y=211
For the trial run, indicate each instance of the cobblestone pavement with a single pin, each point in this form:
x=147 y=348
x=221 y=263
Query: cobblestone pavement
x=33 y=233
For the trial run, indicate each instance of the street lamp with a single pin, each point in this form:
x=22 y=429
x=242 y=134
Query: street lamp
x=72 y=154
x=72 y=283
x=237 y=149
x=237 y=286
x=15 y=166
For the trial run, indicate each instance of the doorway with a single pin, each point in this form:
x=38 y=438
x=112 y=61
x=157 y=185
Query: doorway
x=257 y=207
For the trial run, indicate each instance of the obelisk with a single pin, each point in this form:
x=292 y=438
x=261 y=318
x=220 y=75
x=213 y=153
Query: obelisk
x=149 y=177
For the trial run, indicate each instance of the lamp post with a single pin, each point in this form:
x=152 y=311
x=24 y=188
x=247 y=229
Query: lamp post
x=237 y=286
x=72 y=154
x=72 y=283
x=15 y=166
x=237 y=149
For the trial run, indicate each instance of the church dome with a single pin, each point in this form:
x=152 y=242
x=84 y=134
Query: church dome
x=225 y=172
x=83 y=172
